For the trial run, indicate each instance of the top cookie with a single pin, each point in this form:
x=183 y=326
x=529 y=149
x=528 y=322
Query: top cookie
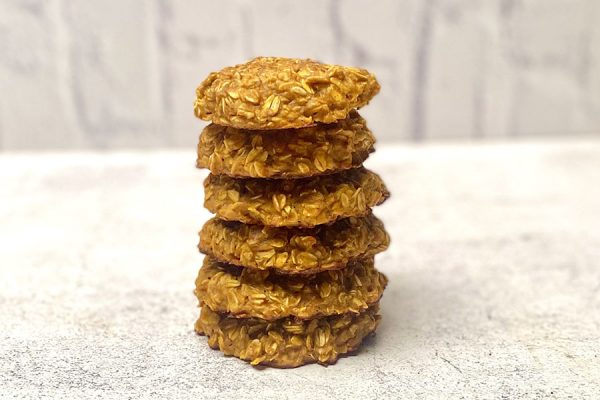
x=279 y=93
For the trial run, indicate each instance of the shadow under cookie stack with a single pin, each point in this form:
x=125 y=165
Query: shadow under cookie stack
x=289 y=277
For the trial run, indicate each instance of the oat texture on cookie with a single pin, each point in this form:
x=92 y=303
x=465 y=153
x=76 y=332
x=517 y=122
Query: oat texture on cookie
x=279 y=93
x=289 y=276
x=294 y=250
x=244 y=292
x=287 y=342
x=294 y=202
x=286 y=153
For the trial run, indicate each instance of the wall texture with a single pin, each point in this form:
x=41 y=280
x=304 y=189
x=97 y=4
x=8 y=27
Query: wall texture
x=122 y=73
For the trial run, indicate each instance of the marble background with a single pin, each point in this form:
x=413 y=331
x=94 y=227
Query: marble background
x=122 y=73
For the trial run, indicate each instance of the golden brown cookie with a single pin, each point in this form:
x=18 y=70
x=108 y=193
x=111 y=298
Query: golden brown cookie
x=278 y=93
x=294 y=250
x=244 y=292
x=287 y=343
x=289 y=153
x=294 y=202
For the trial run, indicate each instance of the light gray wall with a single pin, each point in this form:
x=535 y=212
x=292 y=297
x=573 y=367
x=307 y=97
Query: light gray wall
x=122 y=73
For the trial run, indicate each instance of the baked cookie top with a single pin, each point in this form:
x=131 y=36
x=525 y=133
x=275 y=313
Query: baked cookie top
x=286 y=153
x=294 y=202
x=287 y=342
x=245 y=292
x=294 y=250
x=277 y=93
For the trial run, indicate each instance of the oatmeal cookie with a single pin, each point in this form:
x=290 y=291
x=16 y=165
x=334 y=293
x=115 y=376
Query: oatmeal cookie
x=287 y=342
x=279 y=93
x=294 y=250
x=294 y=202
x=289 y=153
x=245 y=293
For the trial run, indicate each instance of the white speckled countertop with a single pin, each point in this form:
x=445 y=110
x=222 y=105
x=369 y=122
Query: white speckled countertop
x=494 y=270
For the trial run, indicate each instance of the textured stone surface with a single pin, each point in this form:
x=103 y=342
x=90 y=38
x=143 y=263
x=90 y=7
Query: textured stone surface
x=123 y=73
x=494 y=279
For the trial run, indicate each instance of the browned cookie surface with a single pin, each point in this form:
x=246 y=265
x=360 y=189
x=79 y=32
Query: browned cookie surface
x=277 y=93
x=287 y=342
x=294 y=202
x=289 y=153
x=294 y=250
x=245 y=292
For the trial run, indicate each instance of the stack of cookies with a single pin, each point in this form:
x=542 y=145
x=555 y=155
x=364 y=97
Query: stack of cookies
x=288 y=278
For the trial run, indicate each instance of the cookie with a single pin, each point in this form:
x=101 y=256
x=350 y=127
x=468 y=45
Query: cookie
x=289 y=153
x=294 y=250
x=245 y=293
x=280 y=93
x=287 y=343
x=294 y=202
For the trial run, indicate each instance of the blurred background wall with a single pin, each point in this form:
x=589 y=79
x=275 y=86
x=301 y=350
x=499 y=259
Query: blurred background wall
x=122 y=73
